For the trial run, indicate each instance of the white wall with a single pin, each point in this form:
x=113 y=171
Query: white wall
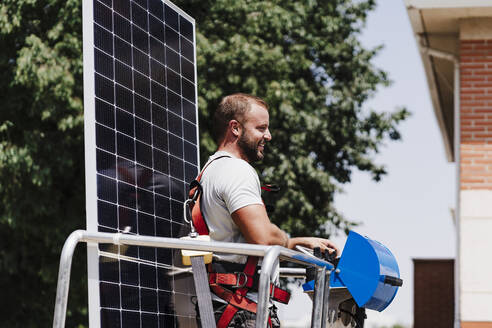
x=476 y=255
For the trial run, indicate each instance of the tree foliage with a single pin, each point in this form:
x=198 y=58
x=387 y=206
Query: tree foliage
x=41 y=156
x=303 y=57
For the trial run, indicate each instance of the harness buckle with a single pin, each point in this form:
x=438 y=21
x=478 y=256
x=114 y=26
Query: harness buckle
x=238 y=280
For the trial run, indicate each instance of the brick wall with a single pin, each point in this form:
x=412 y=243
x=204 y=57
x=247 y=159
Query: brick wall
x=476 y=182
x=476 y=114
x=476 y=324
x=433 y=293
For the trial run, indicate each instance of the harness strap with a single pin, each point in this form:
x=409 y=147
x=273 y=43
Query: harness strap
x=197 y=217
x=230 y=297
x=279 y=294
x=243 y=302
x=250 y=266
x=238 y=279
x=238 y=300
x=227 y=316
x=234 y=298
x=203 y=292
x=195 y=195
x=235 y=303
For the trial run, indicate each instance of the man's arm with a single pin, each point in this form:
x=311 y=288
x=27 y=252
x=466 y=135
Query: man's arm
x=255 y=226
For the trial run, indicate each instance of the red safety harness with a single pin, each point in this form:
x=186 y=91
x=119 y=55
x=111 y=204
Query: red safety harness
x=242 y=281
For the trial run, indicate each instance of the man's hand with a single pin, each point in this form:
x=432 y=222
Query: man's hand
x=312 y=242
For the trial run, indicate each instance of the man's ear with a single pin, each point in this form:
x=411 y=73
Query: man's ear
x=235 y=127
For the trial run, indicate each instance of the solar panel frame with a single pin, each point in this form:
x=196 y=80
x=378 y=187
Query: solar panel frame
x=100 y=143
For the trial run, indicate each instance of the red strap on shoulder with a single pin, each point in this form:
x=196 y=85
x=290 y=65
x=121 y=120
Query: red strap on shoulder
x=195 y=195
x=197 y=218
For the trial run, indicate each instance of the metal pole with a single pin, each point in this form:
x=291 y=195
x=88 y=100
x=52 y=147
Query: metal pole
x=319 y=289
x=270 y=254
x=264 y=286
x=196 y=245
x=64 y=278
x=162 y=242
x=292 y=272
x=298 y=257
x=457 y=209
x=326 y=296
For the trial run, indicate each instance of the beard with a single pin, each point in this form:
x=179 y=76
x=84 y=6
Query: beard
x=250 y=148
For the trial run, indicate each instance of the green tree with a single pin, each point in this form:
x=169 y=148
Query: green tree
x=303 y=57
x=41 y=157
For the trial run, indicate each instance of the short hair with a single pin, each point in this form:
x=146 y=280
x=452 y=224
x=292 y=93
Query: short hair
x=233 y=107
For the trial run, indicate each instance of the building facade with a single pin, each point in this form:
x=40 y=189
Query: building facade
x=455 y=40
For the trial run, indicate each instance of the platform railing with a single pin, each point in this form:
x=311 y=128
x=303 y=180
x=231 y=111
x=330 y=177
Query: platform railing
x=270 y=255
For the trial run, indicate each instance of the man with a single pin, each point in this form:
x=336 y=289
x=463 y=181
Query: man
x=231 y=201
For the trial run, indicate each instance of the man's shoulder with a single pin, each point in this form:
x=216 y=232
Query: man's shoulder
x=224 y=160
x=227 y=166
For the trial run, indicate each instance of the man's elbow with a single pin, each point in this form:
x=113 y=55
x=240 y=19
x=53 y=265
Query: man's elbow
x=267 y=237
x=260 y=240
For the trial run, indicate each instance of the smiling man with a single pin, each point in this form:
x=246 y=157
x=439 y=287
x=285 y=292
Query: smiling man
x=231 y=202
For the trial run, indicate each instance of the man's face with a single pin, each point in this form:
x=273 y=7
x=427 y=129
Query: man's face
x=255 y=133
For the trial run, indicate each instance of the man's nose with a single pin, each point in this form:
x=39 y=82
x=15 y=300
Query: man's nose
x=267 y=135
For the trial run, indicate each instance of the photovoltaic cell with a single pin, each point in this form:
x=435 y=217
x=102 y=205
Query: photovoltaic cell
x=142 y=128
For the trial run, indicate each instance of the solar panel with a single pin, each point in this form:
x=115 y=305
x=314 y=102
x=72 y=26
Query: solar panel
x=141 y=145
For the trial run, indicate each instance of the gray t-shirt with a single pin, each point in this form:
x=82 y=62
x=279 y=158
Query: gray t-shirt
x=229 y=183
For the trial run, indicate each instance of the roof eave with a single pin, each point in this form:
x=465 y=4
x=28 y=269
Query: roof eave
x=420 y=38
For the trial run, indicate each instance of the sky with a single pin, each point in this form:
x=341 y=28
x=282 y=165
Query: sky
x=409 y=211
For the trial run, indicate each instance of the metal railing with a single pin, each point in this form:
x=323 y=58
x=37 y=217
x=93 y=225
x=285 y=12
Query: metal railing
x=270 y=255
